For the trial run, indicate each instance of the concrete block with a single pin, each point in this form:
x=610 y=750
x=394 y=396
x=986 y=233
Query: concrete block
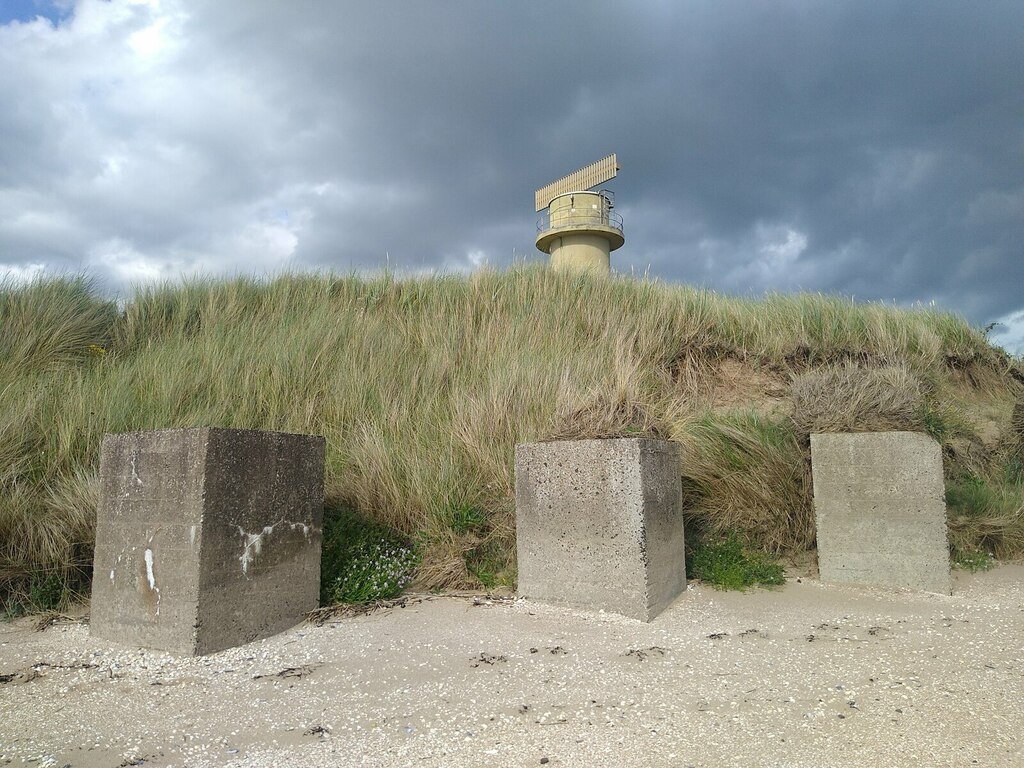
x=599 y=524
x=879 y=502
x=206 y=538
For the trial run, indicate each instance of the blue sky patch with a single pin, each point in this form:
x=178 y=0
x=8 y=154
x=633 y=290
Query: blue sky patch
x=27 y=10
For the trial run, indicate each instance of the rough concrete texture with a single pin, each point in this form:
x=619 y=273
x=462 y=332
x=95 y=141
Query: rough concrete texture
x=206 y=538
x=880 y=509
x=599 y=524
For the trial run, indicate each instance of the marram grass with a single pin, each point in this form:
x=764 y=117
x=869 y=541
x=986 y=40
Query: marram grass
x=422 y=387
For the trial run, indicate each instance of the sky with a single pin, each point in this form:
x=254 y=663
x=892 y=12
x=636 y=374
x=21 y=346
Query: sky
x=873 y=150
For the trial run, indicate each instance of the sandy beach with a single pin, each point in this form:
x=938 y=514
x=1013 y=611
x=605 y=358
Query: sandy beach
x=805 y=675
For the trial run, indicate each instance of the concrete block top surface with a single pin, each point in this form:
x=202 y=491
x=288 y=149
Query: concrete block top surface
x=649 y=443
x=179 y=432
x=628 y=447
x=875 y=447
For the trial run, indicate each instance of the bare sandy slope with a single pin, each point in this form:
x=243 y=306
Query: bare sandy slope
x=807 y=675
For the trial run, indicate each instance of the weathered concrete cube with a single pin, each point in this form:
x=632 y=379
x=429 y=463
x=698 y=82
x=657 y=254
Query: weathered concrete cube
x=879 y=500
x=599 y=524
x=206 y=538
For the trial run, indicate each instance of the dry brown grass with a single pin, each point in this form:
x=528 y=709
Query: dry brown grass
x=444 y=563
x=1017 y=428
x=1002 y=535
x=986 y=511
x=746 y=472
x=852 y=398
x=608 y=414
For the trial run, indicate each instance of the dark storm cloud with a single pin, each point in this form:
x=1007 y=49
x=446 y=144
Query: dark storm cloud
x=868 y=149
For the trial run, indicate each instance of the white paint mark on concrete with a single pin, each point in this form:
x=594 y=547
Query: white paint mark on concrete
x=135 y=474
x=253 y=542
x=192 y=535
x=150 y=577
x=149 y=568
x=111 y=574
x=122 y=553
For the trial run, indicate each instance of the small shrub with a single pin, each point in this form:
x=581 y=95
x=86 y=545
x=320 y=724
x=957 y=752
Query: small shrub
x=466 y=518
x=46 y=593
x=974 y=561
x=362 y=561
x=727 y=564
x=488 y=564
x=470 y=538
x=935 y=423
x=379 y=571
x=41 y=593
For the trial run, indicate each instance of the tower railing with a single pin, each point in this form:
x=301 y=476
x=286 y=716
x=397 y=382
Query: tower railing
x=582 y=217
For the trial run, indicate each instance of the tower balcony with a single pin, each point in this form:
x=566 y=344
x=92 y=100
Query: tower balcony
x=574 y=214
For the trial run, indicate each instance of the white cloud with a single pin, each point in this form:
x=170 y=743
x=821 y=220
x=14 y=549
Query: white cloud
x=141 y=149
x=120 y=260
x=767 y=256
x=264 y=244
x=780 y=247
x=20 y=273
x=152 y=41
x=1009 y=333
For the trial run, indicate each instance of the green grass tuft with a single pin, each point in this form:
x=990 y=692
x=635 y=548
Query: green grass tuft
x=727 y=564
x=467 y=518
x=45 y=592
